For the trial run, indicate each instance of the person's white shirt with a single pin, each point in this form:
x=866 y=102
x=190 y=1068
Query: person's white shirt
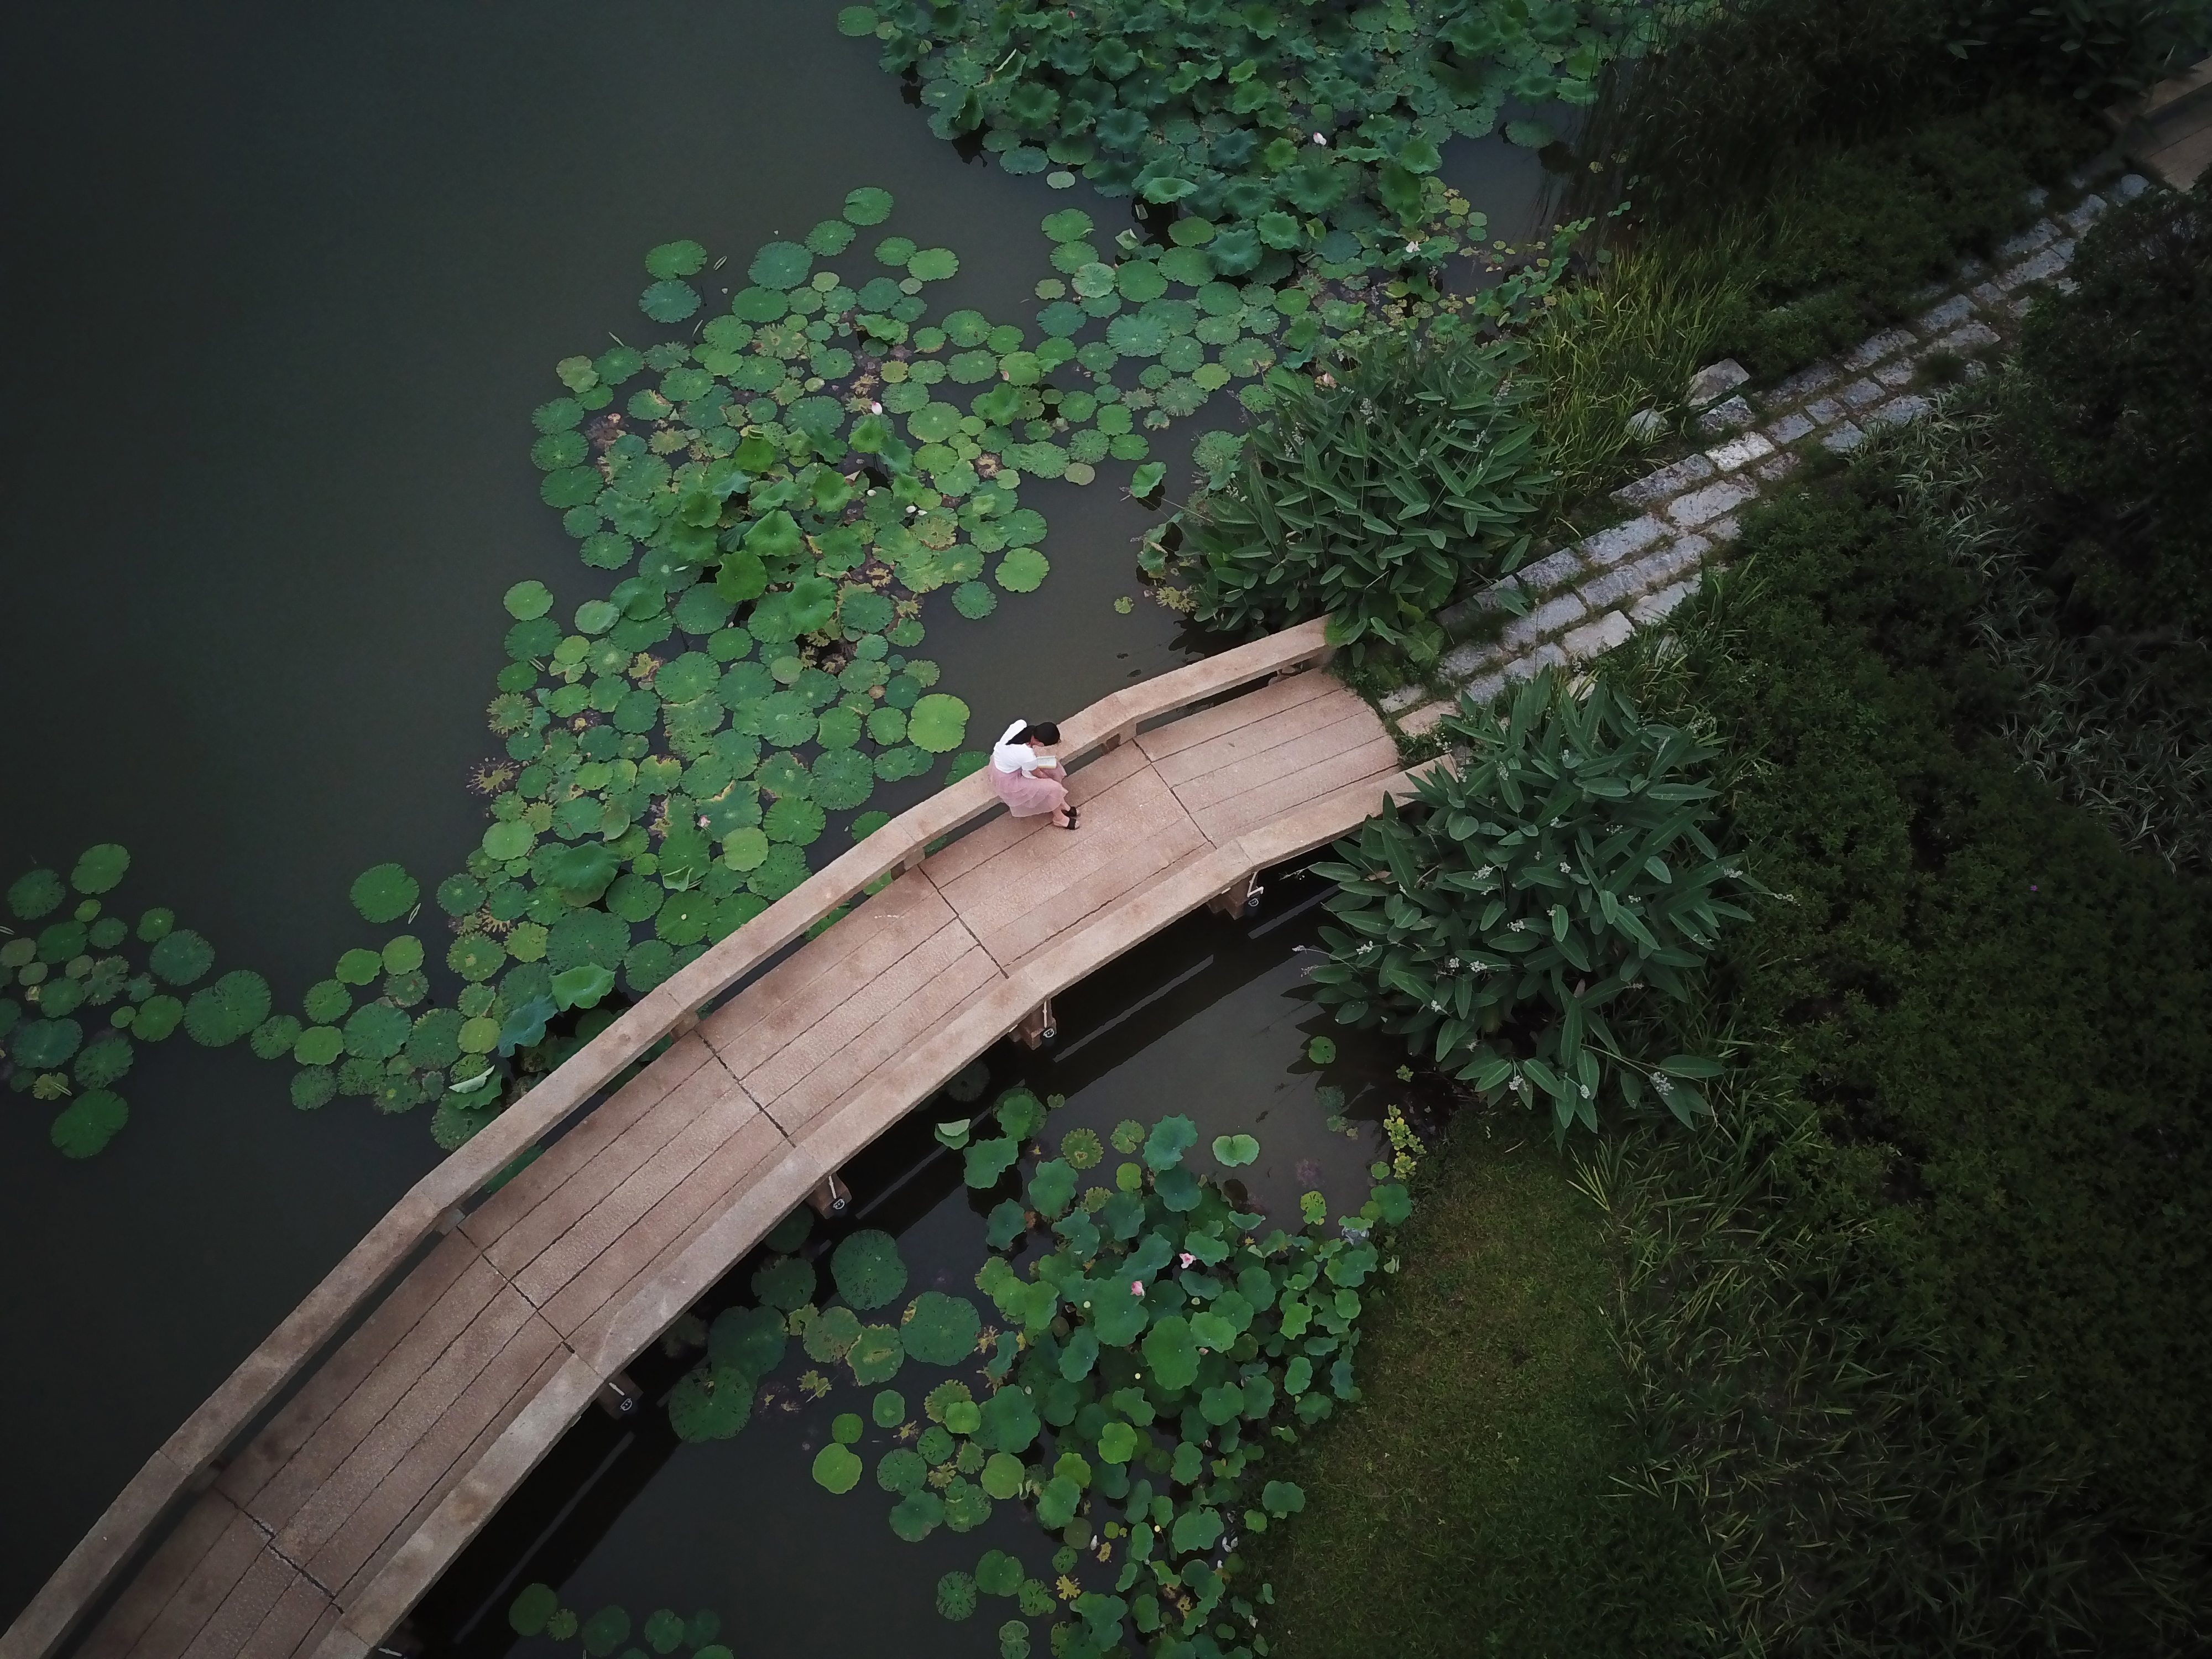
x=1011 y=757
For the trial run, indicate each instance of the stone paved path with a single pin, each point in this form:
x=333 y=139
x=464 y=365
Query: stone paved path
x=1585 y=598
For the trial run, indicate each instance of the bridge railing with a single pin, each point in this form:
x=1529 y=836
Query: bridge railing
x=183 y=1464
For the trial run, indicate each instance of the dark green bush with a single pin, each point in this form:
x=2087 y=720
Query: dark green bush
x=1994 y=1017
x=2112 y=423
x=1851 y=243
x=2092 y=50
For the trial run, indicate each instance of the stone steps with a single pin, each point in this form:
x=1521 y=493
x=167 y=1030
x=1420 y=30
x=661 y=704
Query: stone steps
x=1579 y=601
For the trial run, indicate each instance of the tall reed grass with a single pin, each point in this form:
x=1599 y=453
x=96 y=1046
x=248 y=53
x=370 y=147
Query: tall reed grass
x=1629 y=340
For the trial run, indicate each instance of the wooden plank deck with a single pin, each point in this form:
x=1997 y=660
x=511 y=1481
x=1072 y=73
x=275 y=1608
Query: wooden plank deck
x=332 y=1519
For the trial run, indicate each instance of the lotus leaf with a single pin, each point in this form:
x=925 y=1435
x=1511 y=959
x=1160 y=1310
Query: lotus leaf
x=933 y=264
x=1171 y=1353
x=684 y=258
x=43 y=1044
x=986 y=1161
x=867 y=206
x=665 y=1631
x=1195 y=1529
x=1140 y=280
x=157 y=1017
x=1082 y=1149
x=956 y=1595
x=712 y=1401
x=668 y=301
x=836 y=1469
x=967 y=1506
x=531 y=1609
x=35 y=893
x=787 y=1283
x=902 y=1470
x=941 y=1329
x=1148 y=478
x=401 y=954
x=100 y=868
x=1233 y=1151
x=180 y=957
x=1321 y=1050
x=917 y=1515
x=1171 y=1137
x=868 y=1269
x=781 y=265
x=829 y=1335
x=938 y=723
x=220 y=1013
x=1010 y=1422
x=1052 y=1188
x=272 y=1039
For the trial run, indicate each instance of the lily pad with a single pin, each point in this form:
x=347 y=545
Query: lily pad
x=668 y=301
x=836 y=1469
x=682 y=259
x=867 y=206
x=938 y=723
x=829 y=1335
x=180 y=957
x=386 y=892
x=711 y=1402
x=918 y=1514
x=100 y=868
x=941 y=1329
x=1021 y=571
x=88 y=1123
x=220 y=1013
x=35 y=893
x=933 y=264
x=1235 y=1151
x=1320 y=1050
x=787 y=1283
x=876 y=1355
x=868 y=1269
x=779 y=266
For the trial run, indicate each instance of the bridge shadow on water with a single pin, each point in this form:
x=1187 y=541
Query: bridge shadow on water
x=1208 y=1018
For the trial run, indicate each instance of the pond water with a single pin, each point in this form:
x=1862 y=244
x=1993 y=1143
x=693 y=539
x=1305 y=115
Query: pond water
x=289 y=283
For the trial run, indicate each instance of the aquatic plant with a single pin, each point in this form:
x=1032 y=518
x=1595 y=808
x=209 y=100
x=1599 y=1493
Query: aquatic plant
x=1293 y=130
x=1372 y=499
x=1514 y=924
x=79 y=965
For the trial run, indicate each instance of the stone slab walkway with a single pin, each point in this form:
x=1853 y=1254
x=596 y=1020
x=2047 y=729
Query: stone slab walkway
x=1582 y=600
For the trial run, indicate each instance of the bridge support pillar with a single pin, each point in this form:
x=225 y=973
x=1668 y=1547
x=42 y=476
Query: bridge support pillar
x=832 y=1198
x=619 y=1397
x=1038 y=1027
x=1235 y=900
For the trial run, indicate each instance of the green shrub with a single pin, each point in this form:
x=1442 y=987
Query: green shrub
x=1372 y=499
x=2112 y=420
x=1513 y=926
x=1966 y=1414
x=1853 y=241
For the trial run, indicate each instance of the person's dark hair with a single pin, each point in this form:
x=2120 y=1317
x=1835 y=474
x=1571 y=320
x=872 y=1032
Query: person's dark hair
x=1038 y=731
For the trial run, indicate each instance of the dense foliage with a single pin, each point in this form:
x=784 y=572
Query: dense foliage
x=1743 y=93
x=1961 y=1395
x=2111 y=415
x=1290 y=125
x=1373 y=498
x=1851 y=243
x=1167 y=1337
x=1513 y=922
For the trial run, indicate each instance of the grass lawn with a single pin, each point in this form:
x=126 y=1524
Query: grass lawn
x=1463 y=1505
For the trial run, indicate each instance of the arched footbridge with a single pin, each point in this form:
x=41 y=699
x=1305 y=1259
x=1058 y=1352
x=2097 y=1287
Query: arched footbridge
x=305 y=1507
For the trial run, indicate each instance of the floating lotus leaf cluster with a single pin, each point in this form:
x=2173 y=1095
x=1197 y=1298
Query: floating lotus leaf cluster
x=1152 y=1346
x=1291 y=127
x=78 y=1004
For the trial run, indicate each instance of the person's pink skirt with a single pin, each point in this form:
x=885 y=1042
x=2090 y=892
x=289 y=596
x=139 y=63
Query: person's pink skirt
x=1027 y=796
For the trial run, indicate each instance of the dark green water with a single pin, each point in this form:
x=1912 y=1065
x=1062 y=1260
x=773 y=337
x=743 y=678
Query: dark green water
x=285 y=283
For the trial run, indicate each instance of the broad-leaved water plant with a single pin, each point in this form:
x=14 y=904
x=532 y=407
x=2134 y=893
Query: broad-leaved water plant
x=1515 y=921
x=1372 y=497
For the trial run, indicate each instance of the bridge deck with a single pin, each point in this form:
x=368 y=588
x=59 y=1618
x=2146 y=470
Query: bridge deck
x=330 y=1522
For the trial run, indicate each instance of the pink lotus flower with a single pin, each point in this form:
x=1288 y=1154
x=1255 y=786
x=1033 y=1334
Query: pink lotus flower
x=1320 y=138
x=1188 y=1258
x=1136 y=1287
